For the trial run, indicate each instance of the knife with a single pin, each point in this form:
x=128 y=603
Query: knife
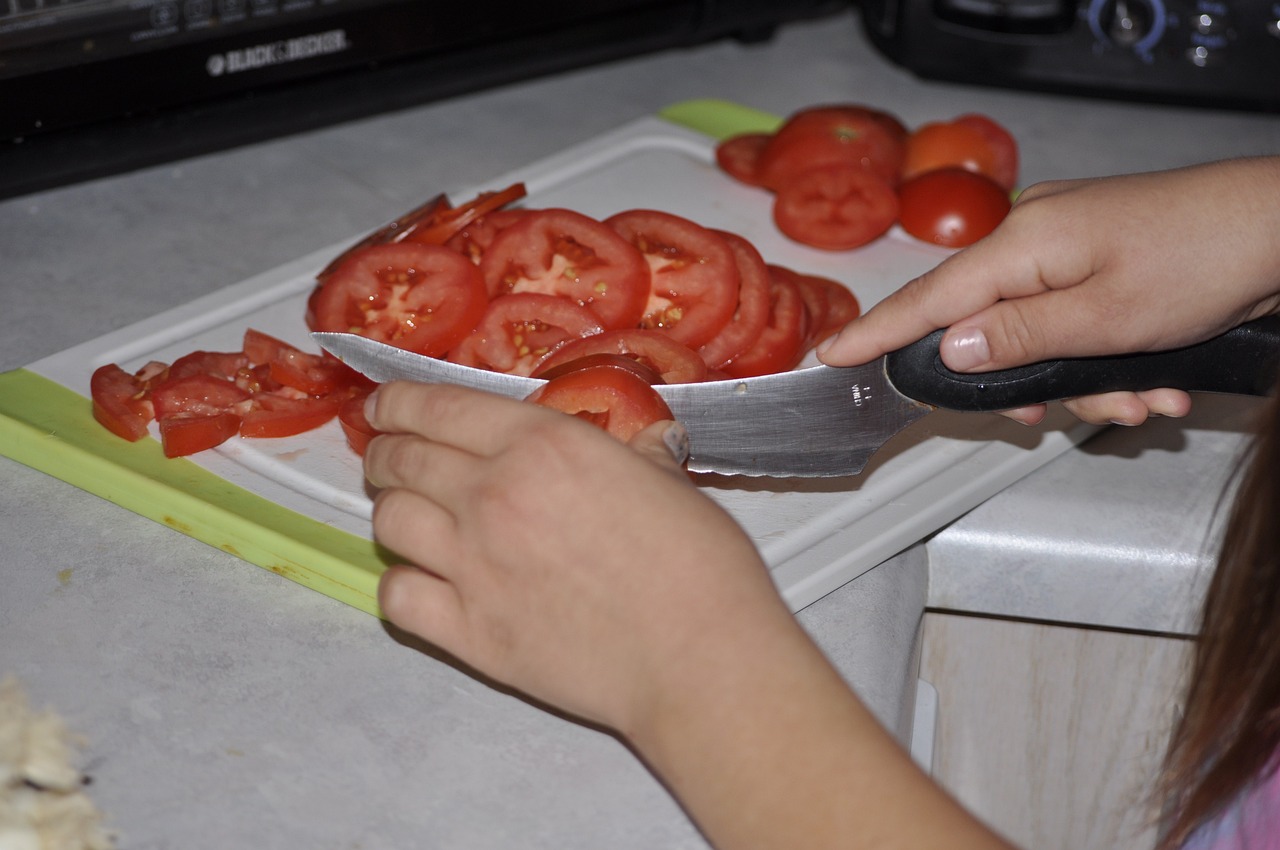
x=826 y=421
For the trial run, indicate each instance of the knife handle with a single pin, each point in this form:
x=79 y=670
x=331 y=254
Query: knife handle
x=1243 y=361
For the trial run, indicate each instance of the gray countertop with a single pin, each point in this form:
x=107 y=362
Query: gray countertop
x=225 y=706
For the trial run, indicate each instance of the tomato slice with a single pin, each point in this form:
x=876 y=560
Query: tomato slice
x=676 y=362
x=424 y=298
x=829 y=304
x=355 y=426
x=121 y=401
x=953 y=207
x=693 y=274
x=641 y=370
x=1004 y=147
x=474 y=239
x=564 y=253
x=612 y=399
x=519 y=330
x=284 y=413
x=739 y=156
x=829 y=135
x=446 y=222
x=781 y=345
x=187 y=434
x=835 y=207
x=752 y=312
x=289 y=366
x=200 y=394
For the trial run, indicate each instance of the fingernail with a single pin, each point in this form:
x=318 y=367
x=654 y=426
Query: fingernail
x=965 y=349
x=370 y=404
x=1122 y=422
x=676 y=439
x=825 y=345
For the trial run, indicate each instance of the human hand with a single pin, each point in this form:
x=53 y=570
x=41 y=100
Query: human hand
x=554 y=559
x=1080 y=268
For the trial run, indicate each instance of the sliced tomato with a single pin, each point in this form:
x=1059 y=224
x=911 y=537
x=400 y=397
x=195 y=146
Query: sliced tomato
x=829 y=135
x=121 y=401
x=614 y=361
x=781 y=345
x=975 y=144
x=952 y=207
x=424 y=298
x=446 y=222
x=228 y=365
x=835 y=207
x=289 y=366
x=676 y=362
x=752 y=312
x=693 y=274
x=739 y=156
x=519 y=330
x=612 y=399
x=284 y=413
x=190 y=433
x=829 y=304
x=474 y=239
x=355 y=426
x=200 y=394
x=565 y=253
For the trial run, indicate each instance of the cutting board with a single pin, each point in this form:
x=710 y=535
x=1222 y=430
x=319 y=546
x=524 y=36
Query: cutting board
x=299 y=506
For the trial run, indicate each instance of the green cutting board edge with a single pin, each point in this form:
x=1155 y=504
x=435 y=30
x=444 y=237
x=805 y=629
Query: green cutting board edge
x=51 y=428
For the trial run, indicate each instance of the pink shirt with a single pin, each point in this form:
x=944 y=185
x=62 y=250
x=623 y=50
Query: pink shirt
x=1251 y=823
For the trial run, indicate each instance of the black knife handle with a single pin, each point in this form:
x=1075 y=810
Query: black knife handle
x=1242 y=361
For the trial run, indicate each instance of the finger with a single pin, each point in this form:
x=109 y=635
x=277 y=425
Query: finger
x=1121 y=408
x=1167 y=402
x=424 y=604
x=664 y=443
x=469 y=419
x=417 y=529
x=1030 y=415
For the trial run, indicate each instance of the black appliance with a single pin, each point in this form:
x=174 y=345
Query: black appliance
x=1215 y=53
x=95 y=87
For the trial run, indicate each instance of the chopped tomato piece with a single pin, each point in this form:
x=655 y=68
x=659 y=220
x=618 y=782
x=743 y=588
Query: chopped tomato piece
x=612 y=399
x=676 y=362
x=121 y=401
x=197 y=395
x=445 y=222
x=289 y=366
x=564 y=253
x=354 y=424
x=693 y=274
x=190 y=433
x=829 y=305
x=780 y=346
x=282 y=414
x=519 y=330
x=835 y=207
x=424 y=298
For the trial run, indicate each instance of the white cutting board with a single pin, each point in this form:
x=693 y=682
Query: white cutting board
x=815 y=534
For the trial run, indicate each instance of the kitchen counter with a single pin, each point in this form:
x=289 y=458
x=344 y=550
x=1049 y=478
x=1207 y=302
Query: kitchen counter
x=225 y=706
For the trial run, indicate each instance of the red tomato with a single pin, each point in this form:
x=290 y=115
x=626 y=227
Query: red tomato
x=614 y=361
x=952 y=207
x=355 y=426
x=828 y=135
x=228 y=365
x=612 y=399
x=185 y=435
x=197 y=395
x=781 y=345
x=835 y=207
x=970 y=144
x=519 y=330
x=693 y=274
x=1003 y=145
x=444 y=223
x=474 y=239
x=739 y=156
x=676 y=362
x=753 y=305
x=564 y=253
x=122 y=402
x=283 y=414
x=423 y=298
x=289 y=366
x=829 y=304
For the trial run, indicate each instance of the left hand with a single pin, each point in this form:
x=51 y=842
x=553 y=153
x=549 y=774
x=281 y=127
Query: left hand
x=553 y=558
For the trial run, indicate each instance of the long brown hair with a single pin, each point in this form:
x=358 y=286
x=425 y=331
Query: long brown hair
x=1229 y=736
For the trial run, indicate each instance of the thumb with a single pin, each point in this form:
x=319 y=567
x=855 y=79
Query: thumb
x=665 y=443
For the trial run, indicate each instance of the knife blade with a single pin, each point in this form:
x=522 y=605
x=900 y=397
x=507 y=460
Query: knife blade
x=826 y=421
